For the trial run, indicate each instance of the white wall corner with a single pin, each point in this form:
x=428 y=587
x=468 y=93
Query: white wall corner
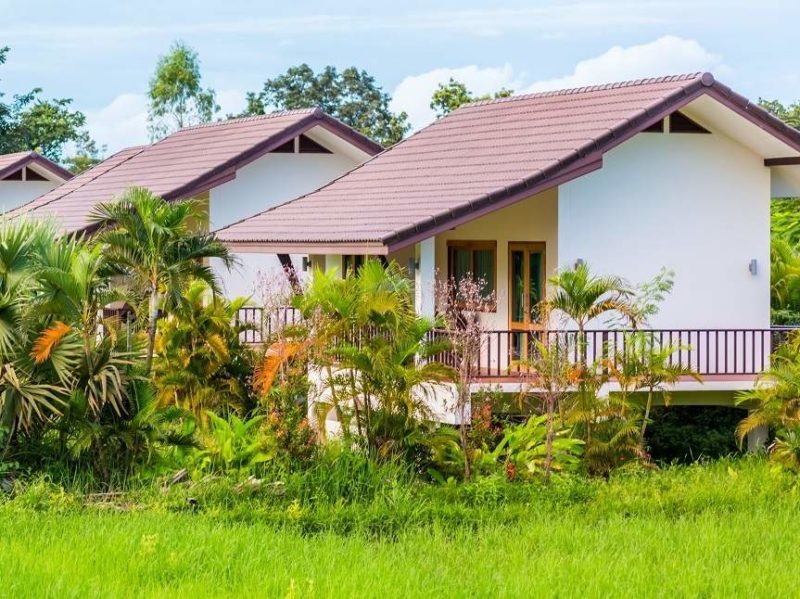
x=425 y=277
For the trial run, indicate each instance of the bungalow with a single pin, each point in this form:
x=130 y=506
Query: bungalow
x=236 y=167
x=630 y=177
x=27 y=175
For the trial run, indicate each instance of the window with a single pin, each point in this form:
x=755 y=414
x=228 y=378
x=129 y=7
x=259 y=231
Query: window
x=351 y=263
x=474 y=259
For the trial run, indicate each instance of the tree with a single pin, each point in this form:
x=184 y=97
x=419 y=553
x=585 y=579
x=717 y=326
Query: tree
x=377 y=354
x=153 y=242
x=453 y=94
x=351 y=95
x=788 y=114
x=581 y=296
x=460 y=304
x=30 y=122
x=177 y=98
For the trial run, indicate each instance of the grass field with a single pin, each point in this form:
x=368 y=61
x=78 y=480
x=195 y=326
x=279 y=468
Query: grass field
x=714 y=531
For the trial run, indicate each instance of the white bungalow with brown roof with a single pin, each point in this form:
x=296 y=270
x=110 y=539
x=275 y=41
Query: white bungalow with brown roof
x=239 y=167
x=673 y=172
x=27 y=175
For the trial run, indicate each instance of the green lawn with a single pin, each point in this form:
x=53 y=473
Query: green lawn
x=687 y=533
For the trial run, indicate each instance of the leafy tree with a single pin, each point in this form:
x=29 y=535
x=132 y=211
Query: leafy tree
x=154 y=244
x=30 y=122
x=177 y=98
x=453 y=94
x=788 y=114
x=351 y=95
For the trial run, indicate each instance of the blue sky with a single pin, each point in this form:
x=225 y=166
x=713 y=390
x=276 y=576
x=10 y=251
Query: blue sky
x=102 y=54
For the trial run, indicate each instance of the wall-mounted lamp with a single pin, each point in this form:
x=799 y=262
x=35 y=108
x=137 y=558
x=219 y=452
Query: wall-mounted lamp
x=306 y=263
x=753 y=267
x=413 y=265
x=579 y=262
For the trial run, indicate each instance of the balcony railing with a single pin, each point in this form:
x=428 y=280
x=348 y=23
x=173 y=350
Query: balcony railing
x=720 y=353
x=711 y=353
x=263 y=324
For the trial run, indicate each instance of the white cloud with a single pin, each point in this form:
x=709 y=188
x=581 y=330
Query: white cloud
x=121 y=123
x=668 y=55
x=413 y=94
x=558 y=19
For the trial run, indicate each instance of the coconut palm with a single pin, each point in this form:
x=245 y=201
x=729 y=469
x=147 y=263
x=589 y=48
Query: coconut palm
x=157 y=246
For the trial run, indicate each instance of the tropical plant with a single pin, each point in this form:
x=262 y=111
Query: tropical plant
x=582 y=297
x=523 y=450
x=550 y=377
x=377 y=353
x=459 y=305
x=156 y=245
x=201 y=361
x=644 y=364
x=774 y=402
x=233 y=444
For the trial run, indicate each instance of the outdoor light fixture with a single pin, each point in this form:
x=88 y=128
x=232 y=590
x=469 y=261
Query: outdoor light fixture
x=412 y=265
x=753 y=267
x=579 y=262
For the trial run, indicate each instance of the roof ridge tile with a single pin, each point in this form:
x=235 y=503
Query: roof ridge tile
x=245 y=119
x=593 y=88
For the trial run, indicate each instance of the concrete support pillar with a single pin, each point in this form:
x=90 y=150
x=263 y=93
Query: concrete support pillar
x=425 y=277
x=757 y=439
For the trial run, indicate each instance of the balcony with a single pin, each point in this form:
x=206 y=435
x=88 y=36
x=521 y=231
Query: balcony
x=715 y=354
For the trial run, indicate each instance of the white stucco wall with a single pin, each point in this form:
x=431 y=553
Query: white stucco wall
x=17 y=193
x=696 y=204
x=266 y=182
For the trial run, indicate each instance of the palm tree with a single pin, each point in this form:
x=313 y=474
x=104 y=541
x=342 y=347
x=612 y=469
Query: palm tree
x=583 y=297
x=774 y=403
x=30 y=389
x=366 y=329
x=643 y=364
x=202 y=363
x=156 y=245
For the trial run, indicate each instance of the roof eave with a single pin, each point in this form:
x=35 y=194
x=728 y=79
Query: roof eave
x=369 y=248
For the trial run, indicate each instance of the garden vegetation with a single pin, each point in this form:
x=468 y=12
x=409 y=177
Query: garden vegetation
x=136 y=424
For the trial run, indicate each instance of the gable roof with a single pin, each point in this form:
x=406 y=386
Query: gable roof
x=480 y=158
x=11 y=163
x=183 y=164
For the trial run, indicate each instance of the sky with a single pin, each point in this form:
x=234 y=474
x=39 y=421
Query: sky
x=102 y=54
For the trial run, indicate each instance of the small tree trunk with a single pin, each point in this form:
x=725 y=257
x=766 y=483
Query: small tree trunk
x=646 y=417
x=548 y=458
x=463 y=398
x=151 y=331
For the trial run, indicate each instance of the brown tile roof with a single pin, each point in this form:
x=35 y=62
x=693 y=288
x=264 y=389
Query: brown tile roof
x=183 y=164
x=481 y=157
x=10 y=163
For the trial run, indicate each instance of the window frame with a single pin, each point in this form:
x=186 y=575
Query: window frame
x=474 y=245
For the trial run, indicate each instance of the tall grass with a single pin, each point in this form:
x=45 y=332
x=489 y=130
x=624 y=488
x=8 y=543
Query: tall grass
x=720 y=529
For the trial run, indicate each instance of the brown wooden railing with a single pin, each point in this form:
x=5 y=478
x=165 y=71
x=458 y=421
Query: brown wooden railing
x=708 y=352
